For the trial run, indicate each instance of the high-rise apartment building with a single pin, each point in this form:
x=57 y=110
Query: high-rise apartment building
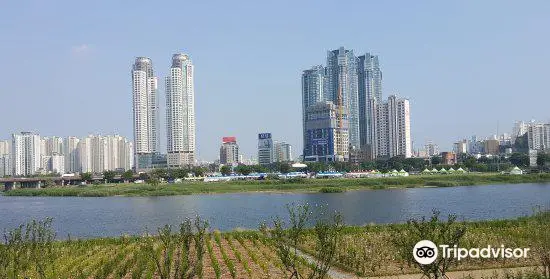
x=5 y=158
x=145 y=109
x=265 y=149
x=313 y=84
x=229 y=151
x=57 y=163
x=72 y=159
x=180 y=112
x=538 y=136
x=51 y=145
x=326 y=133
x=100 y=153
x=25 y=153
x=353 y=85
x=5 y=147
x=393 y=128
x=460 y=147
x=341 y=87
x=119 y=154
x=370 y=91
x=282 y=152
x=519 y=129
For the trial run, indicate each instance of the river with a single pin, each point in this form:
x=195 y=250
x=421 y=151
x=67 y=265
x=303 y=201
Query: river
x=113 y=216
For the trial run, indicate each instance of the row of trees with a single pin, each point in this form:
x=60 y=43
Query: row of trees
x=483 y=164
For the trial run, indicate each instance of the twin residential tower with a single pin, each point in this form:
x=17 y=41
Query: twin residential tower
x=180 y=113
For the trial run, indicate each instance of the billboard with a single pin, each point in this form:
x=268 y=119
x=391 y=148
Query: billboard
x=264 y=141
x=264 y=136
x=229 y=139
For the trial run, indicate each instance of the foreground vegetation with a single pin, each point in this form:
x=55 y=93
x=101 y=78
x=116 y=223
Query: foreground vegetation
x=191 y=251
x=284 y=185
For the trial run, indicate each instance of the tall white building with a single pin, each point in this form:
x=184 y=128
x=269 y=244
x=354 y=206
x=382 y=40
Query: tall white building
x=538 y=136
x=180 y=112
x=5 y=158
x=57 y=163
x=519 y=129
x=393 y=128
x=145 y=108
x=101 y=153
x=25 y=153
x=282 y=152
x=5 y=147
x=72 y=159
x=119 y=153
x=51 y=145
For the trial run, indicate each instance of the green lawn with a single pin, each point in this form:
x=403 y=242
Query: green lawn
x=290 y=185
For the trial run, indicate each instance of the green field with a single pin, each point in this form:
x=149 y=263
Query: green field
x=363 y=251
x=289 y=185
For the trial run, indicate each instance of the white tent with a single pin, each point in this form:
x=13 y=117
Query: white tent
x=299 y=165
x=516 y=170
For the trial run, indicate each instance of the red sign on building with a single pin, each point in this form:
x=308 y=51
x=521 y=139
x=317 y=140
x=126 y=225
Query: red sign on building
x=229 y=139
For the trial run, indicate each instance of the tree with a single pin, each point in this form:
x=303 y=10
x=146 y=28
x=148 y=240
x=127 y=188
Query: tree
x=243 y=169
x=127 y=175
x=225 y=170
x=153 y=181
x=143 y=176
x=470 y=162
x=160 y=173
x=199 y=171
x=519 y=159
x=436 y=160
x=439 y=232
x=284 y=167
x=108 y=175
x=179 y=173
x=286 y=238
x=86 y=176
x=542 y=159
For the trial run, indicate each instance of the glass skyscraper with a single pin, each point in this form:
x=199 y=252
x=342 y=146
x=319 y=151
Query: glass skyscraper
x=370 y=91
x=341 y=88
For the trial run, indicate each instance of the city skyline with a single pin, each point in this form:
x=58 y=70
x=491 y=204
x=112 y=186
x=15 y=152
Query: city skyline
x=85 y=89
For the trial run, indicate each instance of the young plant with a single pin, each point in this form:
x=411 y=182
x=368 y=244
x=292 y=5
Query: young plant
x=441 y=232
x=286 y=239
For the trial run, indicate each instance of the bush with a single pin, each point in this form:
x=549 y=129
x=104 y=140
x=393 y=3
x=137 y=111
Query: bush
x=331 y=190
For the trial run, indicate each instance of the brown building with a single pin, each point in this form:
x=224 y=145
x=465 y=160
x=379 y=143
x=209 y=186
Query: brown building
x=491 y=147
x=448 y=158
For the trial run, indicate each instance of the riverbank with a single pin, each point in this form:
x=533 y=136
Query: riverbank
x=364 y=251
x=288 y=185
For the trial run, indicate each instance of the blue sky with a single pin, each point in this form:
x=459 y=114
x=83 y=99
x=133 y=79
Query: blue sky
x=465 y=65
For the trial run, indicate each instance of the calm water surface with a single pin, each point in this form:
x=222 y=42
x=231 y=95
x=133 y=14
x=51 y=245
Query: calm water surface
x=113 y=216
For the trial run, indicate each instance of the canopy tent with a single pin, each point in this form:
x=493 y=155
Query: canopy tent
x=516 y=170
x=299 y=165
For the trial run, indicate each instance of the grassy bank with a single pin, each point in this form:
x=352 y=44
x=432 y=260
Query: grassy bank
x=364 y=251
x=290 y=185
